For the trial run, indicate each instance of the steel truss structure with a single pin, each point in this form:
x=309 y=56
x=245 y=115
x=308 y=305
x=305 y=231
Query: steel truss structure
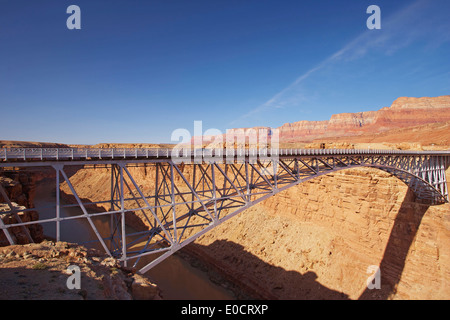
x=190 y=192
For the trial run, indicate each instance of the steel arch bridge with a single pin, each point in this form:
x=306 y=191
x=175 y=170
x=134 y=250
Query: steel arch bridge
x=192 y=191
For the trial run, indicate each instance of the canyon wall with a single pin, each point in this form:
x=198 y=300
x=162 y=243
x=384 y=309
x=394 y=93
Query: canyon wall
x=431 y=135
x=19 y=188
x=318 y=240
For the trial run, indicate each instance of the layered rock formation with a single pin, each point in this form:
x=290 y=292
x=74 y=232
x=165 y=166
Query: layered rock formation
x=30 y=144
x=19 y=188
x=319 y=240
x=431 y=135
x=434 y=103
x=404 y=112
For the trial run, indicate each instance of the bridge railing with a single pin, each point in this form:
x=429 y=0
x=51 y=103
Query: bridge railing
x=126 y=153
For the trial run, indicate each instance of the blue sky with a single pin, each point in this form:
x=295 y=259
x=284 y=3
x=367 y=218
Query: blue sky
x=138 y=70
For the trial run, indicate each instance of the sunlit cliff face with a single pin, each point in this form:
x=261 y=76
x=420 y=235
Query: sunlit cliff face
x=319 y=239
x=404 y=112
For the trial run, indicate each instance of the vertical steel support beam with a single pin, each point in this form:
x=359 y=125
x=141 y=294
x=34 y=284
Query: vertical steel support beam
x=213 y=177
x=193 y=183
x=111 y=208
x=58 y=204
x=157 y=168
x=122 y=213
x=443 y=166
x=275 y=182
x=115 y=196
x=248 y=181
x=113 y=185
x=172 y=196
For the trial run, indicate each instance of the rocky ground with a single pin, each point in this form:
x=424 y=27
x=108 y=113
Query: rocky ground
x=40 y=272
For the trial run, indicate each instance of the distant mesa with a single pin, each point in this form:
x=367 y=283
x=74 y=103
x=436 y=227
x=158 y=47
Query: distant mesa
x=404 y=112
x=371 y=126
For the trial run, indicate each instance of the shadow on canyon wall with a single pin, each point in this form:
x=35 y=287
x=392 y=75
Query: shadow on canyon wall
x=278 y=283
x=288 y=284
x=402 y=236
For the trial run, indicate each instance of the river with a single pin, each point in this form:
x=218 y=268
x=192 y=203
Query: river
x=176 y=277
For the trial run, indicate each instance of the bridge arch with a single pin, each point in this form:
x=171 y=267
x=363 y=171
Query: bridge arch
x=424 y=191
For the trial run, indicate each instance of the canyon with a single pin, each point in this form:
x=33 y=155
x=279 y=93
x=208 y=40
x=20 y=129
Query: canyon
x=319 y=239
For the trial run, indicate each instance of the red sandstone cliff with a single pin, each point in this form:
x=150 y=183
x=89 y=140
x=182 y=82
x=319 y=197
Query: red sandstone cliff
x=404 y=112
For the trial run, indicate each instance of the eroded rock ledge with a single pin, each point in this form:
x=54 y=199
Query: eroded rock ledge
x=40 y=272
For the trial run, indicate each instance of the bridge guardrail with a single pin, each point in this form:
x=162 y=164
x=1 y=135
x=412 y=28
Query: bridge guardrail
x=31 y=154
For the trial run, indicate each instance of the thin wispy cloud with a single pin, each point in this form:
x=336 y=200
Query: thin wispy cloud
x=398 y=31
x=279 y=100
